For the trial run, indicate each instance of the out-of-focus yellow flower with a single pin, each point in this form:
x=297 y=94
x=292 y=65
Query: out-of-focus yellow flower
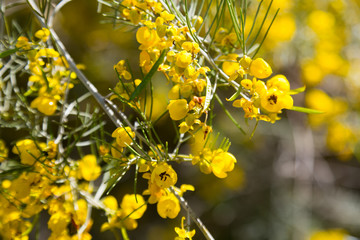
x=283 y=29
x=110 y=202
x=164 y=175
x=124 y=136
x=341 y=140
x=121 y=70
x=45 y=105
x=332 y=234
x=28 y=150
x=4 y=151
x=259 y=68
x=58 y=222
x=183 y=233
x=319 y=100
x=133 y=206
x=23 y=43
x=43 y=34
x=230 y=65
x=321 y=22
x=88 y=168
x=178 y=109
x=168 y=206
x=47 y=53
x=312 y=74
x=183 y=59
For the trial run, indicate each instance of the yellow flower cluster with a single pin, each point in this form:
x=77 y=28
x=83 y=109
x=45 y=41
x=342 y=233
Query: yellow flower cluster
x=160 y=178
x=158 y=32
x=131 y=208
x=271 y=97
x=50 y=75
x=216 y=161
x=46 y=185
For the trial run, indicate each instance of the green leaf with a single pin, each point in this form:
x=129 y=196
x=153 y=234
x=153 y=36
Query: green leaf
x=8 y=52
x=297 y=90
x=306 y=110
x=148 y=76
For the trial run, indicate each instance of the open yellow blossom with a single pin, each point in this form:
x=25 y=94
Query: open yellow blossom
x=178 y=109
x=88 y=168
x=168 y=206
x=275 y=100
x=260 y=69
x=124 y=136
x=45 y=105
x=43 y=34
x=164 y=175
x=222 y=163
x=146 y=37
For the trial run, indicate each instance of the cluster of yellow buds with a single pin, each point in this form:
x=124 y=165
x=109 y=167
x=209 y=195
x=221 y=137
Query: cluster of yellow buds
x=50 y=75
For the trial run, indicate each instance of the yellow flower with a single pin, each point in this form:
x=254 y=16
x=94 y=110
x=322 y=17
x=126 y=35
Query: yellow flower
x=43 y=34
x=275 y=100
x=183 y=59
x=23 y=42
x=332 y=234
x=146 y=37
x=164 y=175
x=121 y=70
x=47 y=53
x=321 y=22
x=45 y=105
x=88 y=168
x=280 y=82
x=222 y=163
x=58 y=222
x=260 y=69
x=168 y=206
x=3 y=151
x=246 y=83
x=174 y=92
x=110 y=202
x=182 y=232
x=178 y=109
x=133 y=206
x=29 y=151
x=230 y=66
x=124 y=136
x=167 y=16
